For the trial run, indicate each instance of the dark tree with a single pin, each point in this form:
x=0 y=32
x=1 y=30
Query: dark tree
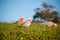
x=47 y=14
x=55 y=16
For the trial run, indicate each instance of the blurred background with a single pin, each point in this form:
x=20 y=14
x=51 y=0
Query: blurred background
x=13 y=10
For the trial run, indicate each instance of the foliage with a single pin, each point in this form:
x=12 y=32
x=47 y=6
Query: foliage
x=37 y=31
x=47 y=14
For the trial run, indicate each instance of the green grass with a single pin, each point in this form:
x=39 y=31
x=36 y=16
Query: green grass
x=37 y=31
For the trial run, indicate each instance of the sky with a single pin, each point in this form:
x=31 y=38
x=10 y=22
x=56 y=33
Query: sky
x=13 y=10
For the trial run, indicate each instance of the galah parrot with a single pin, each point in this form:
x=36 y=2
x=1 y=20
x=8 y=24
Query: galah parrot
x=20 y=21
x=27 y=23
x=53 y=24
x=50 y=24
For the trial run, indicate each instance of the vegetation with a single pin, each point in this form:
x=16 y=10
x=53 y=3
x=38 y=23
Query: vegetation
x=47 y=14
x=37 y=31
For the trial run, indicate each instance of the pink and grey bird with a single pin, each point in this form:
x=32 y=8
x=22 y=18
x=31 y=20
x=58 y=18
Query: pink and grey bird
x=50 y=24
x=27 y=23
x=20 y=21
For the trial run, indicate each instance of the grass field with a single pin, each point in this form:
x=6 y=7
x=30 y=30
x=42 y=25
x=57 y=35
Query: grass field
x=37 y=31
